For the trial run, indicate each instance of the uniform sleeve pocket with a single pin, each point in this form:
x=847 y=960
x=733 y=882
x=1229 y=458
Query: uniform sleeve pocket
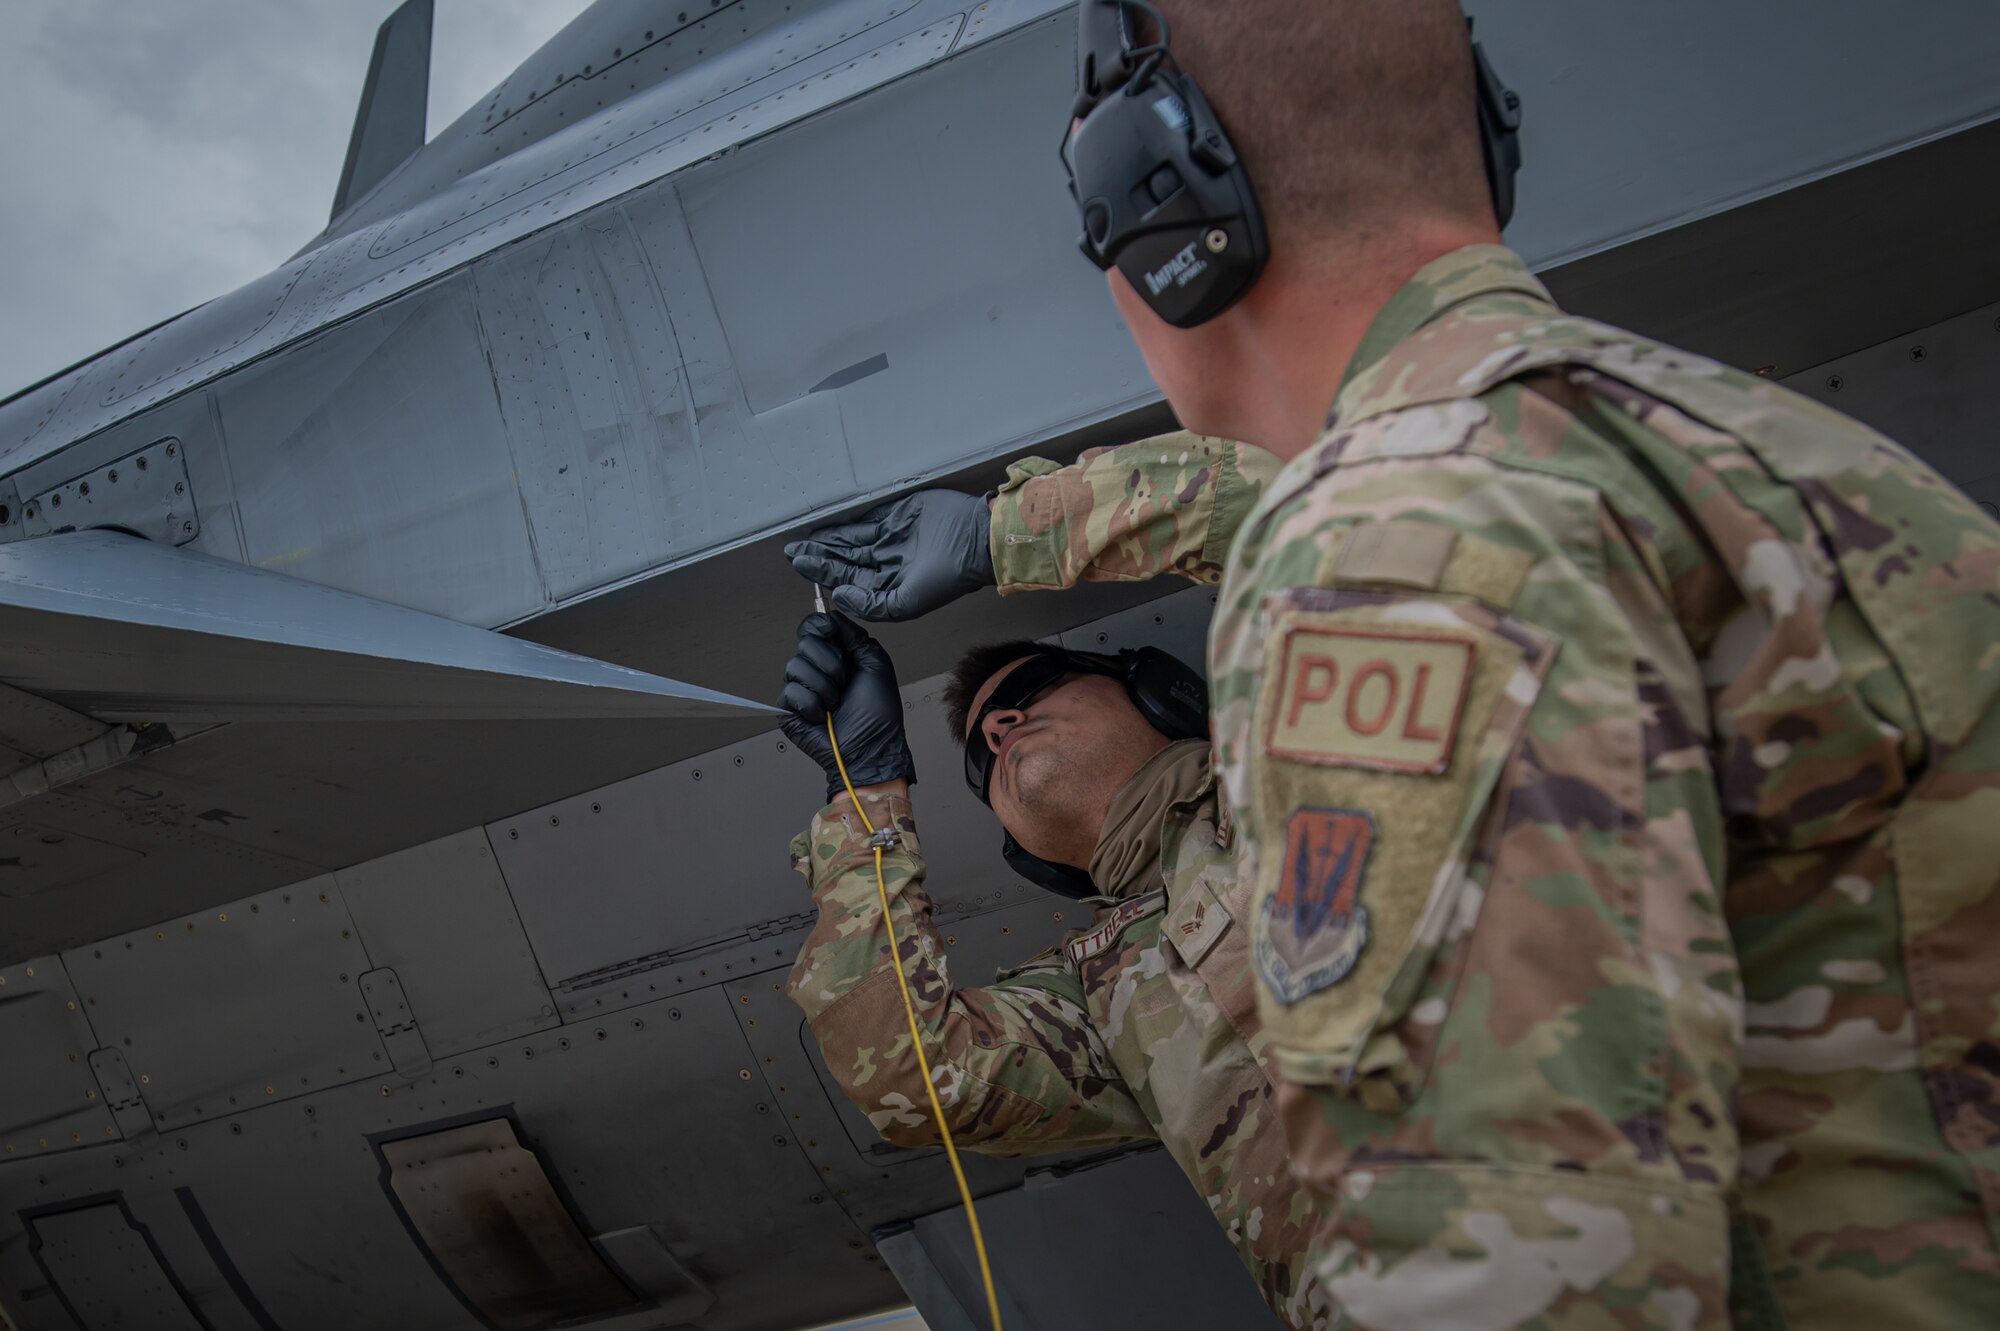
x=1380 y=732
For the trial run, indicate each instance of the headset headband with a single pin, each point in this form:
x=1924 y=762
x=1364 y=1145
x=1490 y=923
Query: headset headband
x=1108 y=51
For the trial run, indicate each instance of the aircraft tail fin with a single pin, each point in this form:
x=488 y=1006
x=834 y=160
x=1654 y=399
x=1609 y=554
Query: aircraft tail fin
x=389 y=124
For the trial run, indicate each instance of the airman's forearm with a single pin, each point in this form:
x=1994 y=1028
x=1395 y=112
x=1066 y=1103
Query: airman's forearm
x=1171 y=504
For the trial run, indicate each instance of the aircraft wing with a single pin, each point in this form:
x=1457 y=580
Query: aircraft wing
x=174 y=725
x=129 y=630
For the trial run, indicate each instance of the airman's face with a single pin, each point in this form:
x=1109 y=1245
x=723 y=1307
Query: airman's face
x=1060 y=758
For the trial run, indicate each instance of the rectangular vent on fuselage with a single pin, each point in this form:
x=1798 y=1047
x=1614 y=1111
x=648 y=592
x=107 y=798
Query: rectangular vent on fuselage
x=487 y=1215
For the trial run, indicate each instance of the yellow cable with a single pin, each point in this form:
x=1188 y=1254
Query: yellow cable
x=917 y=1043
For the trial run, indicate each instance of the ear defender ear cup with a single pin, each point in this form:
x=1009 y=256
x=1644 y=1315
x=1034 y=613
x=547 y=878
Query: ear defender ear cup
x=1165 y=199
x=1168 y=692
x=1499 y=132
x=1161 y=192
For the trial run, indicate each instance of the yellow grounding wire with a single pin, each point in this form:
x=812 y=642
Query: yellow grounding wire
x=916 y=1041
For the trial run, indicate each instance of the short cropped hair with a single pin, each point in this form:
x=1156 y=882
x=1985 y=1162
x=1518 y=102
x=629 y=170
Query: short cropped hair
x=1348 y=114
x=973 y=670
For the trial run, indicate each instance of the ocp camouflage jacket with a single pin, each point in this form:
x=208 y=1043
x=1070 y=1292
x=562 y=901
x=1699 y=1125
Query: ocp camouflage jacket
x=1617 y=737
x=1140 y=1025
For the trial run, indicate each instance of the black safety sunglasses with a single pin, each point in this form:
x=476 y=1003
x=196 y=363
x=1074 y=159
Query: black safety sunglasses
x=1025 y=683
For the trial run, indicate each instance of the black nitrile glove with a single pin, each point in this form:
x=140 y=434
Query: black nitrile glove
x=839 y=669
x=901 y=559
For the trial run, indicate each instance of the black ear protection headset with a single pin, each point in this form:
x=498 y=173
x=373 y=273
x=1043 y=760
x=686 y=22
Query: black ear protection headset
x=1163 y=196
x=1167 y=692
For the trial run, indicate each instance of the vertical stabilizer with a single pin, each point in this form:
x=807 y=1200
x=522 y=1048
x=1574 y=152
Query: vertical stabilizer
x=389 y=125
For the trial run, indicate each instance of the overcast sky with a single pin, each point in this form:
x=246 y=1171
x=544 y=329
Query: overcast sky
x=155 y=154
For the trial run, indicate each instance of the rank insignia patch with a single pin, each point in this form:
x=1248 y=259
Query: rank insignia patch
x=1313 y=927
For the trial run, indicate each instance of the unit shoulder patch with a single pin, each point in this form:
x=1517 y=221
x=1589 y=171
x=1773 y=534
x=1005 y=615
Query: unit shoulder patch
x=1384 y=699
x=1315 y=924
x=1381 y=728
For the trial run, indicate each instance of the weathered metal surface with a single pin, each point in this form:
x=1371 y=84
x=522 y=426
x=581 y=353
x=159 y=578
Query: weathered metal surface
x=439 y=915
x=484 y=1211
x=649 y=1266
x=655 y=1122
x=372 y=459
x=107 y=1271
x=33 y=727
x=145 y=493
x=50 y=1099
x=229 y=1009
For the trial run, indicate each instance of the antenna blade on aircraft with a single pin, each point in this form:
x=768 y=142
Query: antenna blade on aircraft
x=390 y=122
x=127 y=630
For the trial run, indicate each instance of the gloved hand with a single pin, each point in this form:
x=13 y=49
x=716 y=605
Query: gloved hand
x=902 y=559
x=839 y=669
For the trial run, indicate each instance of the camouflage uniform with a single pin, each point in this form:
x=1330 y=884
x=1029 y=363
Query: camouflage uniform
x=1618 y=738
x=1139 y=1026
x=1170 y=504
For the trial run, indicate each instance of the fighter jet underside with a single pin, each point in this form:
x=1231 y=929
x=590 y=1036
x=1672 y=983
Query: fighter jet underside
x=393 y=887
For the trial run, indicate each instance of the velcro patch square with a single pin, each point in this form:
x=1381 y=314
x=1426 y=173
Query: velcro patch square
x=1370 y=697
x=1315 y=925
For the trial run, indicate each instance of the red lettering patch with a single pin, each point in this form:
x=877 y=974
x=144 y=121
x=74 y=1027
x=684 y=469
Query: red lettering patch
x=1375 y=698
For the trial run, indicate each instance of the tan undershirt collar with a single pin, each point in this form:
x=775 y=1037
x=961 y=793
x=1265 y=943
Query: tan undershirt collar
x=1127 y=858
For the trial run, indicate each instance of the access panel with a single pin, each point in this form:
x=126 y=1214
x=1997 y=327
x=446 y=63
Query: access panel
x=483 y=1208
x=108 y=1272
x=226 y=1009
x=49 y=1099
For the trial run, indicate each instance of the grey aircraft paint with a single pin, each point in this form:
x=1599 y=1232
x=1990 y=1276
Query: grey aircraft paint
x=285 y=983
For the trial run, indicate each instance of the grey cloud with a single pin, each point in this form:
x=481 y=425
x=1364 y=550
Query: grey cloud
x=160 y=155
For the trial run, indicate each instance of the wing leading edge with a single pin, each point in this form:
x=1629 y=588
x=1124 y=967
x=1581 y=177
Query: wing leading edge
x=126 y=630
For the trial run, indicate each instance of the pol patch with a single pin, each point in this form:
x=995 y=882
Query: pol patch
x=1313 y=927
